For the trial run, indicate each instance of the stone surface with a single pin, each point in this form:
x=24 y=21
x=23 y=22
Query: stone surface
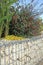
x=27 y=52
x=40 y=62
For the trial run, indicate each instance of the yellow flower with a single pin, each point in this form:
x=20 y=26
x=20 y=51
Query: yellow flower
x=12 y=37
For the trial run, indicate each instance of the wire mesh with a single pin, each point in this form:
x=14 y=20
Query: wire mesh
x=15 y=52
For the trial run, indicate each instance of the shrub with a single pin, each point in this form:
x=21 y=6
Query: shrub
x=5 y=15
x=25 y=21
x=24 y=25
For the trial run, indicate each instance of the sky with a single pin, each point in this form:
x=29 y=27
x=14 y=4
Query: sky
x=38 y=2
x=27 y=1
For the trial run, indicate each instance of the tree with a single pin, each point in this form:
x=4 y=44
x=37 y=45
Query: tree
x=27 y=23
x=5 y=15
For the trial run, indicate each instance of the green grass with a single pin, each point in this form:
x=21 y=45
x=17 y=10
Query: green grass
x=41 y=27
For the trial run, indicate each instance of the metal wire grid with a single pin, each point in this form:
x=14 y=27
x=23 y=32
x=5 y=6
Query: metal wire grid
x=15 y=53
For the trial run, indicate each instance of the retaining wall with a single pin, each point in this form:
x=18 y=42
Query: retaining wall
x=24 y=52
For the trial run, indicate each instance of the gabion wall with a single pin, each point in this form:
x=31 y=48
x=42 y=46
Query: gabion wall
x=25 y=52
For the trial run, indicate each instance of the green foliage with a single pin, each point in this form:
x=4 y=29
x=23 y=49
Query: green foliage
x=24 y=24
x=41 y=26
x=25 y=20
x=5 y=15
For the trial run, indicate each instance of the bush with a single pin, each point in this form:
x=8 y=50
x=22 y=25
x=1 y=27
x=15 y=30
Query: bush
x=25 y=21
x=24 y=25
x=5 y=16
